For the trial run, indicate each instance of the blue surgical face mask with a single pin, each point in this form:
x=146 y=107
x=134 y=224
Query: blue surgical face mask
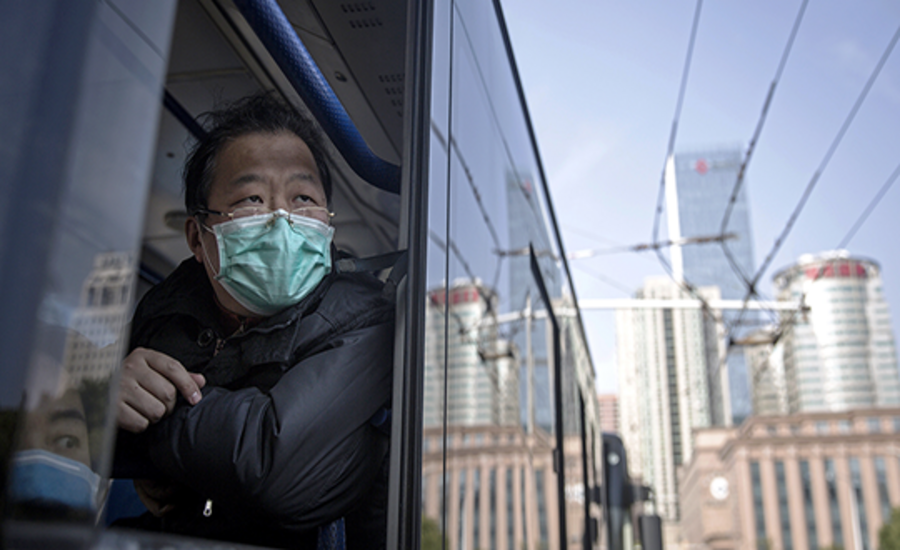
x=272 y=261
x=42 y=477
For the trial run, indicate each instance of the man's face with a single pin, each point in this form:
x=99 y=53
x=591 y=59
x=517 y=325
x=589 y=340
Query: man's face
x=276 y=171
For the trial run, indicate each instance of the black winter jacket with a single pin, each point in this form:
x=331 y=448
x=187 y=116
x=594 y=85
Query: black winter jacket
x=283 y=440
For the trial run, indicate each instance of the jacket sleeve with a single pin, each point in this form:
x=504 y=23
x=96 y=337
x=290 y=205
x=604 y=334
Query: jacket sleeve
x=301 y=453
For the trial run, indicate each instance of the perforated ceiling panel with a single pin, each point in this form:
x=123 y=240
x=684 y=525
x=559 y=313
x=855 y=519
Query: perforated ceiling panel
x=371 y=39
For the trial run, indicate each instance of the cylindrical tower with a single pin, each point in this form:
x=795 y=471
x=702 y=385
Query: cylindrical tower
x=841 y=353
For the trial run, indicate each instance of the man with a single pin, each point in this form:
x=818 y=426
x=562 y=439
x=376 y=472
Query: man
x=255 y=368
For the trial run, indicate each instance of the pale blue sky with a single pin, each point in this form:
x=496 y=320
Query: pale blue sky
x=601 y=79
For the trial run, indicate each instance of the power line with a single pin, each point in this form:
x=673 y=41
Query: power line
x=674 y=131
x=824 y=163
x=865 y=214
x=753 y=140
x=683 y=283
x=785 y=324
x=735 y=266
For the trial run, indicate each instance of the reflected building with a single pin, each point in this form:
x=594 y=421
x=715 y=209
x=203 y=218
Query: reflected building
x=527 y=227
x=664 y=358
x=608 y=408
x=768 y=380
x=840 y=354
x=96 y=344
x=482 y=377
x=500 y=487
x=699 y=185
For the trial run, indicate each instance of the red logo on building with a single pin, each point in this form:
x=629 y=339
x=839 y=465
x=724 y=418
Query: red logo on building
x=701 y=167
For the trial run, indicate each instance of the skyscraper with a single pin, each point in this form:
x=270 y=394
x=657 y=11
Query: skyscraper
x=698 y=187
x=841 y=354
x=663 y=357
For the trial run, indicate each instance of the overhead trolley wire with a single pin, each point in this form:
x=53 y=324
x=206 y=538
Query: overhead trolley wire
x=751 y=287
x=673 y=132
x=670 y=149
x=868 y=210
x=739 y=181
x=753 y=141
x=790 y=320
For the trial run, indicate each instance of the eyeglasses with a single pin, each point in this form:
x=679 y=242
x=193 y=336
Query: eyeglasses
x=319 y=213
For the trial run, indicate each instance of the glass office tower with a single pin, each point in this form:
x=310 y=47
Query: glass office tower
x=699 y=185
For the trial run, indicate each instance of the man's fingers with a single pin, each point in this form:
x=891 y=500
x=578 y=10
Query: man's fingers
x=130 y=420
x=199 y=379
x=149 y=388
x=175 y=373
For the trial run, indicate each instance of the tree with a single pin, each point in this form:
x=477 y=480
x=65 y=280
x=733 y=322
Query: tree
x=889 y=534
x=432 y=539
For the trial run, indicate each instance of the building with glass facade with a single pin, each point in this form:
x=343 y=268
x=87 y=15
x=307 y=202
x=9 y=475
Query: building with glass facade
x=810 y=480
x=699 y=185
x=840 y=354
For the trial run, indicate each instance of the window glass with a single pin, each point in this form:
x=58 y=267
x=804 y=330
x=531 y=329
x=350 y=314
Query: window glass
x=99 y=99
x=490 y=352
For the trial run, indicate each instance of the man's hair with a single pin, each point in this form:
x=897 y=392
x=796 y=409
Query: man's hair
x=259 y=113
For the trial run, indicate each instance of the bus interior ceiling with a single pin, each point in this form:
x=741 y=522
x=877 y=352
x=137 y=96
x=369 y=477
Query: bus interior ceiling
x=215 y=58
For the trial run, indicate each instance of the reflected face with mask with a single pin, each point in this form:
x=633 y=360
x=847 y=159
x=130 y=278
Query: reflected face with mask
x=264 y=236
x=60 y=427
x=52 y=468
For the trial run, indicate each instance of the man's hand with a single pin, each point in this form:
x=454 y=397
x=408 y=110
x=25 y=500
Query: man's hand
x=149 y=386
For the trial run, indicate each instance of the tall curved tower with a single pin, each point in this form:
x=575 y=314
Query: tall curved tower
x=840 y=354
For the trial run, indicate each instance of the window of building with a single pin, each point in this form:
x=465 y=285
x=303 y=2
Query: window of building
x=833 y=504
x=522 y=503
x=822 y=427
x=542 y=509
x=882 y=482
x=476 y=508
x=510 y=524
x=758 y=509
x=808 y=505
x=461 y=531
x=874 y=425
x=784 y=514
x=844 y=426
x=493 y=507
x=859 y=503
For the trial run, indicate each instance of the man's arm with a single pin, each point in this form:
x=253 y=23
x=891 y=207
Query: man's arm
x=299 y=454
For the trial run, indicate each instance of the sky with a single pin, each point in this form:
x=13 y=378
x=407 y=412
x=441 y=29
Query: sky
x=602 y=79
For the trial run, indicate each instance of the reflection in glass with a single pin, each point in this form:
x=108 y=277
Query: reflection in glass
x=57 y=456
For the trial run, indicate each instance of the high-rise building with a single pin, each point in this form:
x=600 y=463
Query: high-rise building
x=527 y=227
x=608 y=406
x=663 y=358
x=698 y=189
x=840 y=354
x=482 y=378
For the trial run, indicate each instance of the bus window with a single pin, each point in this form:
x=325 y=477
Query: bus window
x=80 y=109
x=492 y=364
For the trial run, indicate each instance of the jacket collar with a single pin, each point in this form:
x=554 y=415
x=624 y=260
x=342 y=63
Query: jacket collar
x=187 y=291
